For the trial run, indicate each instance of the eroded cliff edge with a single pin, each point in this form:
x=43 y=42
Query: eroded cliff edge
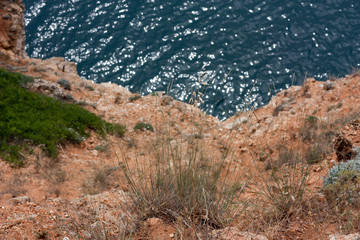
x=12 y=28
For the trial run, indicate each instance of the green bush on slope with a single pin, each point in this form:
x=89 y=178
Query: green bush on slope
x=342 y=186
x=27 y=117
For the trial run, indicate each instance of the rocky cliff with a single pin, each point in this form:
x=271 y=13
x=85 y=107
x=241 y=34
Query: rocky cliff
x=12 y=28
x=44 y=198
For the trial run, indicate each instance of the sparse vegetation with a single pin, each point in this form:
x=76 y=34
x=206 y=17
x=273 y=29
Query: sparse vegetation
x=98 y=181
x=29 y=118
x=342 y=193
x=286 y=156
x=117 y=99
x=39 y=69
x=131 y=143
x=134 y=98
x=142 y=126
x=64 y=83
x=284 y=189
x=328 y=86
x=311 y=119
x=315 y=153
x=82 y=103
x=102 y=148
x=183 y=184
x=105 y=148
x=342 y=186
x=280 y=194
x=317 y=137
x=90 y=88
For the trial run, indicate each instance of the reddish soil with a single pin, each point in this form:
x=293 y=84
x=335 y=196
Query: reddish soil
x=43 y=199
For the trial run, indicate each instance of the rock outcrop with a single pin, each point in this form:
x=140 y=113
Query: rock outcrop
x=12 y=28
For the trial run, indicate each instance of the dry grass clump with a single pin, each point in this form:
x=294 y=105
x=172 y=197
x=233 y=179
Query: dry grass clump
x=189 y=190
x=317 y=137
x=98 y=180
x=104 y=148
x=282 y=192
x=183 y=184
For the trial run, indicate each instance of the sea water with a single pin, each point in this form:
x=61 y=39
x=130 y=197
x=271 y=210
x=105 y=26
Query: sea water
x=235 y=53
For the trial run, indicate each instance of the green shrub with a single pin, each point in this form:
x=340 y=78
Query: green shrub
x=30 y=118
x=343 y=182
x=64 y=83
x=102 y=148
x=90 y=88
x=311 y=119
x=143 y=126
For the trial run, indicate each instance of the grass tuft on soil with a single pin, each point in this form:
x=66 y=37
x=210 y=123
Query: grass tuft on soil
x=30 y=118
x=183 y=185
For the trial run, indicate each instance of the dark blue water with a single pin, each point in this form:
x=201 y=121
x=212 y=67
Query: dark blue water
x=244 y=50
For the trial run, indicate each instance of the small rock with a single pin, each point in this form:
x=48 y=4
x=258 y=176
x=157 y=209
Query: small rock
x=242 y=119
x=287 y=100
x=33 y=216
x=86 y=234
x=232 y=233
x=153 y=221
x=258 y=133
x=19 y=200
x=172 y=235
x=355 y=236
x=95 y=153
x=237 y=122
x=6 y=16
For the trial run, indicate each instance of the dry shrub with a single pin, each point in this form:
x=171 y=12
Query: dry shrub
x=98 y=180
x=282 y=191
x=286 y=156
x=183 y=185
x=342 y=193
x=280 y=195
x=317 y=138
